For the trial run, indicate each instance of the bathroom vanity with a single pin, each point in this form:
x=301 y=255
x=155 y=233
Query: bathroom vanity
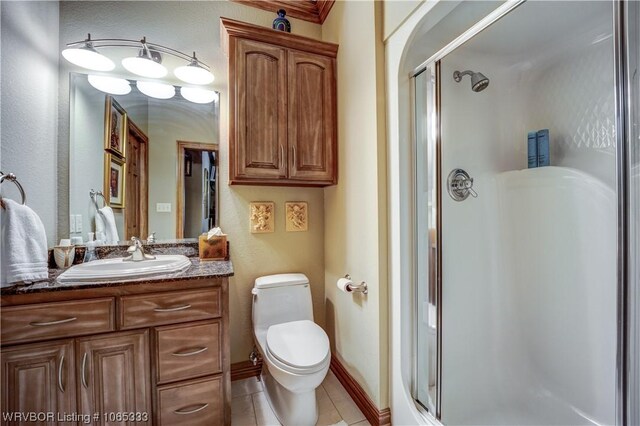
x=154 y=351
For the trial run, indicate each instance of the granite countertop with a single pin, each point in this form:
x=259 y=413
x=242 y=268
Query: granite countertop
x=199 y=269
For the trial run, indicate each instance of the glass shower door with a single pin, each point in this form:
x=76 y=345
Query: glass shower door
x=524 y=250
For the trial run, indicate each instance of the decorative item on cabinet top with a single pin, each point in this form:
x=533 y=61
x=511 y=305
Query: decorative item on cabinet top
x=281 y=23
x=283 y=107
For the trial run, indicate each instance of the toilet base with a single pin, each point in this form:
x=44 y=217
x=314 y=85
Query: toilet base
x=291 y=409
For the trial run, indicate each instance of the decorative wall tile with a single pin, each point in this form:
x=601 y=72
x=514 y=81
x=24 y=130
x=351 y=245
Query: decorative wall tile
x=262 y=217
x=297 y=218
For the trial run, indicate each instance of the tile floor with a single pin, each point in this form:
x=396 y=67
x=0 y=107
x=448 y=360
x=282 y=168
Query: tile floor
x=249 y=406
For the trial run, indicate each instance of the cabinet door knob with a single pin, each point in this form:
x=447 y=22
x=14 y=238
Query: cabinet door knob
x=195 y=410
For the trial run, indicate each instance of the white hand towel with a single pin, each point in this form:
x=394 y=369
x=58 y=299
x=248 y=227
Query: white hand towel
x=106 y=222
x=24 y=245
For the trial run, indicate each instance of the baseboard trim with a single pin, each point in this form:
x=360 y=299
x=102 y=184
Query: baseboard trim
x=245 y=369
x=374 y=416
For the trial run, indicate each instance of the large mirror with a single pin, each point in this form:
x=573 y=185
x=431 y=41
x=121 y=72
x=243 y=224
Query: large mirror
x=140 y=165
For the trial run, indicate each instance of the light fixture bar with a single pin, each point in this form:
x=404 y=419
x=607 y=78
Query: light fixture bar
x=135 y=44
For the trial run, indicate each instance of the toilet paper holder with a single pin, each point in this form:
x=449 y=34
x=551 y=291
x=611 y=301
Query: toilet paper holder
x=357 y=288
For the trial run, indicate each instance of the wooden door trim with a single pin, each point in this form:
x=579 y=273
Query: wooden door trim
x=144 y=190
x=182 y=146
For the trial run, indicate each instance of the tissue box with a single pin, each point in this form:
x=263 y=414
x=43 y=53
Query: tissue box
x=213 y=249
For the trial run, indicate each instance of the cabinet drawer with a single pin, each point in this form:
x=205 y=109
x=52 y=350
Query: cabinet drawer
x=60 y=319
x=188 y=351
x=198 y=402
x=168 y=308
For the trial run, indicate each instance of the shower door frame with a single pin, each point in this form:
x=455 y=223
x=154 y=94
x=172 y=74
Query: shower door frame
x=623 y=107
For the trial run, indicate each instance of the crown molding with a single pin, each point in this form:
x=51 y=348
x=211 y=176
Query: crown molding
x=307 y=10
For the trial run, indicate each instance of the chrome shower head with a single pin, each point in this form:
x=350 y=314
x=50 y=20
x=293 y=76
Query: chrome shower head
x=478 y=81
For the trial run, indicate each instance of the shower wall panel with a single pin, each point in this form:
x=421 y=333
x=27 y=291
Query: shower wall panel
x=571 y=93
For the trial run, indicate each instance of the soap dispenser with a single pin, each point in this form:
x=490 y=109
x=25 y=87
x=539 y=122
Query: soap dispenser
x=90 y=251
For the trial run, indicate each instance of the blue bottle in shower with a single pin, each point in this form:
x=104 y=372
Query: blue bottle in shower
x=532 y=149
x=543 y=147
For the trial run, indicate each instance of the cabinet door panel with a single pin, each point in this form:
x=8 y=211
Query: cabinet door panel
x=113 y=374
x=260 y=132
x=38 y=378
x=312 y=117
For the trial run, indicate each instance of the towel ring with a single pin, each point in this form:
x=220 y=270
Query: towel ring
x=11 y=177
x=94 y=197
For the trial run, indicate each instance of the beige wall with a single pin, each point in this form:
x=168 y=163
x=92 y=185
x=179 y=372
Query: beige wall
x=195 y=26
x=395 y=12
x=355 y=209
x=254 y=255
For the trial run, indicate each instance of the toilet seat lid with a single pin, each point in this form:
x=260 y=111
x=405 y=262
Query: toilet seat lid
x=300 y=344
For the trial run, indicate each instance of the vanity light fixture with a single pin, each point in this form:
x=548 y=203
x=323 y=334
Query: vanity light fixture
x=156 y=90
x=85 y=55
x=111 y=85
x=198 y=95
x=147 y=62
x=194 y=73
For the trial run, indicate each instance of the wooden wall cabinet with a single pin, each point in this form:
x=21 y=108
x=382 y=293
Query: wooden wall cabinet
x=283 y=107
x=165 y=353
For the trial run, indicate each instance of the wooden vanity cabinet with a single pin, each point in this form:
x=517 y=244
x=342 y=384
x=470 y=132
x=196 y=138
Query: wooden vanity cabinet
x=160 y=349
x=283 y=103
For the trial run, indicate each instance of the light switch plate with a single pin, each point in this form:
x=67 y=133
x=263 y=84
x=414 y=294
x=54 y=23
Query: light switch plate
x=72 y=223
x=78 y=223
x=163 y=207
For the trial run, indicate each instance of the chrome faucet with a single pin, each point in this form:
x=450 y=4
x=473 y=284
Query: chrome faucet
x=137 y=252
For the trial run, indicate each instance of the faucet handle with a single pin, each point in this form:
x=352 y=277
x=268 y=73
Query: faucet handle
x=135 y=244
x=151 y=238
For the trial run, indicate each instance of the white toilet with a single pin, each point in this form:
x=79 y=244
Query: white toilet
x=295 y=350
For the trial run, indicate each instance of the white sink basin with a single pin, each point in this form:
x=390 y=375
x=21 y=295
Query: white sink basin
x=117 y=269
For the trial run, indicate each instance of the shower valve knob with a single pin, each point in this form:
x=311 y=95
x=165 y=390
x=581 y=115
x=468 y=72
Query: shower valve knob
x=460 y=185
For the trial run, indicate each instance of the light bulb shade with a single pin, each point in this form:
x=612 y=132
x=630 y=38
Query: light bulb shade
x=111 y=85
x=199 y=96
x=144 y=67
x=193 y=74
x=156 y=90
x=87 y=57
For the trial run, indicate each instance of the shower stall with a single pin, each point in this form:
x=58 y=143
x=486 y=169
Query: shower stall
x=523 y=250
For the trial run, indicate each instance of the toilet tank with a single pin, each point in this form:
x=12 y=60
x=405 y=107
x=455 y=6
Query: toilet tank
x=281 y=298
